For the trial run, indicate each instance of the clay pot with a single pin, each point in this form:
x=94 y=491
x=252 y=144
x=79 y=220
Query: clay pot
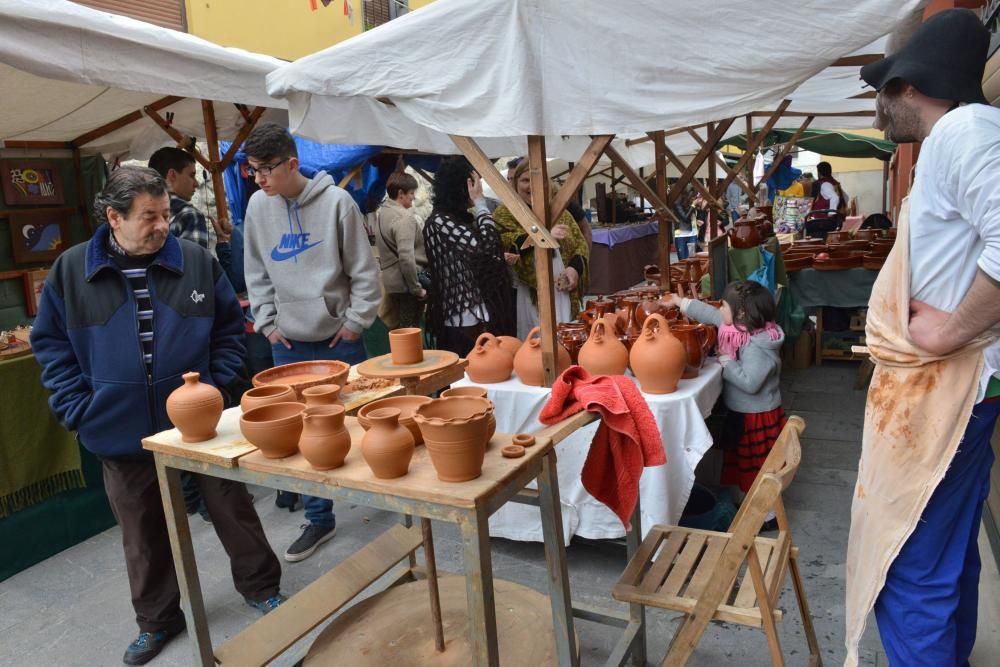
x=478 y=392
x=510 y=343
x=406 y=346
x=603 y=353
x=653 y=304
x=322 y=394
x=324 y=441
x=744 y=234
x=274 y=428
x=695 y=340
x=572 y=336
x=528 y=360
x=629 y=324
x=658 y=358
x=455 y=431
x=269 y=393
x=195 y=408
x=387 y=447
x=406 y=405
x=488 y=362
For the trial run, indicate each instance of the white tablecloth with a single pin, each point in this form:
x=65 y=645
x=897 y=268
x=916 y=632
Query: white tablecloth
x=663 y=490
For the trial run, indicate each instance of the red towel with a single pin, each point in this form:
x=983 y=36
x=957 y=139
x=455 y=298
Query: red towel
x=627 y=440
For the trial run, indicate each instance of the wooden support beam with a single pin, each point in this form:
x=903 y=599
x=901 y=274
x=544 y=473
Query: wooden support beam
x=544 y=275
x=666 y=133
x=725 y=167
x=241 y=136
x=785 y=150
x=244 y=111
x=680 y=166
x=37 y=145
x=688 y=174
x=525 y=216
x=427 y=177
x=353 y=173
x=638 y=183
x=867 y=95
x=806 y=114
x=857 y=61
x=753 y=144
x=178 y=137
x=713 y=177
x=664 y=235
x=121 y=122
x=751 y=195
x=579 y=174
x=81 y=196
x=212 y=137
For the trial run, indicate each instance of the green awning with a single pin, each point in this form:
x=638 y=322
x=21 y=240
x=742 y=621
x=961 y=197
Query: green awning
x=826 y=142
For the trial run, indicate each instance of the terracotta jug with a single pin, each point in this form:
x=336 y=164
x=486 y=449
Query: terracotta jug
x=658 y=358
x=488 y=362
x=510 y=343
x=528 y=360
x=572 y=336
x=268 y=393
x=455 y=431
x=652 y=303
x=744 y=234
x=406 y=346
x=695 y=340
x=603 y=353
x=324 y=441
x=387 y=447
x=195 y=408
x=322 y=394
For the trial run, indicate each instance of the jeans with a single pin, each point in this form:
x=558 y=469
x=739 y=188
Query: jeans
x=319 y=511
x=684 y=245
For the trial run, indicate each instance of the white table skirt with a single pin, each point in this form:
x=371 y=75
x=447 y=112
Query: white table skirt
x=663 y=490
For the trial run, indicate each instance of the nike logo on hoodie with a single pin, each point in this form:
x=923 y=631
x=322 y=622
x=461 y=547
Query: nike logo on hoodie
x=292 y=245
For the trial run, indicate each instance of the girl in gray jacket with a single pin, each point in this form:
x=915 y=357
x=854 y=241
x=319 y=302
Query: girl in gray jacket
x=750 y=351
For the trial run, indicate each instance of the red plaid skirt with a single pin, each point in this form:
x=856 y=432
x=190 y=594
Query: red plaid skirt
x=741 y=464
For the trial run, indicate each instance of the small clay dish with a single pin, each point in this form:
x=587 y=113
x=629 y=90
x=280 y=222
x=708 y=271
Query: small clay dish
x=478 y=392
x=512 y=451
x=523 y=440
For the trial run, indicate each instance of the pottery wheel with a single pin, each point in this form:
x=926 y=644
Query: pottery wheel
x=395 y=628
x=382 y=367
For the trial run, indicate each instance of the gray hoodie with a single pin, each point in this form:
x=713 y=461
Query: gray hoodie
x=752 y=382
x=309 y=267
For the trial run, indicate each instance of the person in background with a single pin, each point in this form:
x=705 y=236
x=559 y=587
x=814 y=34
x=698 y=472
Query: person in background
x=807 y=181
x=311 y=277
x=829 y=205
x=785 y=180
x=569 y=265
x=685 y=231
x=469 y=280
x=734 y=199
x=120 y=319
x=400 y=244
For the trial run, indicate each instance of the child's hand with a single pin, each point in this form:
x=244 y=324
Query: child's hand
x=724 y=359
x=672 y=300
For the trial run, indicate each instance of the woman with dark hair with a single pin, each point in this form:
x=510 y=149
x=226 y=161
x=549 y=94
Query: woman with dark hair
x=469 y=283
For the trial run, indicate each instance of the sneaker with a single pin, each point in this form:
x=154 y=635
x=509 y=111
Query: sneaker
x=268 y=605
x=312 y=536
x=288 y=500
x=147 y=646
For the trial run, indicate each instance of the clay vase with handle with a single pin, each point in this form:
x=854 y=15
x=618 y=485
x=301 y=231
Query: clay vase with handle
x=658 y=358
x=695 y=340
x=488 y=362
x=603 y=353
x=510 y=343
x=195 y=408
x=324 y=441
x=528 y=360
x=387 y=447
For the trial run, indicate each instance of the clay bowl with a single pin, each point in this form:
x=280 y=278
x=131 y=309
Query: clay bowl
x=455 y=431
x=269 y=393
x=304 y=374
x=478 y=392
x=274 y=428
x=407 y=405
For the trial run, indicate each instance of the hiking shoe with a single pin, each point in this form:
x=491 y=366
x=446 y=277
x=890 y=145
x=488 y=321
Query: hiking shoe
x=268 y=605
x=147 y=646
x=312 y=536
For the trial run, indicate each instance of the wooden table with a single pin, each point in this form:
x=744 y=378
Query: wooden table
x=419 y=493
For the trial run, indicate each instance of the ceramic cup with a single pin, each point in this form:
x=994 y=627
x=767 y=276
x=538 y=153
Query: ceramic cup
x=406 y=346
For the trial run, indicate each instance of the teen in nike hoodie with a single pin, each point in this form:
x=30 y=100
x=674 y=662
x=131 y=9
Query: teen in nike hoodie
x=309 y=267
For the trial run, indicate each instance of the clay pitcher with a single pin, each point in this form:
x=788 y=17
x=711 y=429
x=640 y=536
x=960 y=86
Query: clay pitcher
x=744 y=234
x=322 y=394
x=528 y=360
x=488 y=362
x=387 y=447
x=324 y=441
x=603 y=353
x=695 y=340
x=658 y=358
x=195 y=408
x=510 y=343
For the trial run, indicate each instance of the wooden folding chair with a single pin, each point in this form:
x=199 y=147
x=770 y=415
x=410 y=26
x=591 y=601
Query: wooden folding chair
x=701 y=573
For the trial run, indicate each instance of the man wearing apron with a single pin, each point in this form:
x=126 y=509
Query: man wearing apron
x=932 y=405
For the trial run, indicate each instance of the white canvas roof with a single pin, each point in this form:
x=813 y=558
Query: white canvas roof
x=66 y=69
x=498 y=70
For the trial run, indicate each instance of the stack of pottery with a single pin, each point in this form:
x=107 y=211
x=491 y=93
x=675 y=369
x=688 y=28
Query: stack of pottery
x=596 y=309
x=407 y=406
x=387 y=446
x=322 y=394
x=406 y=346
x=274 y=428
x=325 y=440
x=268 y=393
x=195 y=408
x=489 y=362
x=528 y=360
x=455 y=431
x=658 y=358
x=603 y=353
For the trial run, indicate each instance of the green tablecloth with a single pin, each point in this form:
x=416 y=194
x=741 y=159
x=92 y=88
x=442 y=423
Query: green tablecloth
x=850 y=288
x=38 y=457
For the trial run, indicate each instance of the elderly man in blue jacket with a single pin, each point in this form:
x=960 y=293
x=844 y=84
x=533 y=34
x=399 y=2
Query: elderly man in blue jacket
x=120 y=319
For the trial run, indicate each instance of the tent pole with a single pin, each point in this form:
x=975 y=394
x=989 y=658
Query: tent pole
x=614 y=198
x=665 y=224
x=699 y=159
x=544 y=277
x=81 y=196
x=578 y=174
x=702 y=190
x=713 y=178
x=719 y=194
x=785 y=150
x=885 y=186
x=212 y=137
x=241 y=136
x=122 y=121
x=753 y=145
x=186 y=142
x=751 y=195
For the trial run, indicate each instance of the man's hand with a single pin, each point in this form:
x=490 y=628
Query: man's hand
x=927 y=326
x=344 y=334
x=568 y=279
x=511 y=258
x=275 y=337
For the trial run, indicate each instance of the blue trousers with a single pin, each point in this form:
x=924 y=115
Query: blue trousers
x=685 y=245
x=927 y=610
x=319 y=511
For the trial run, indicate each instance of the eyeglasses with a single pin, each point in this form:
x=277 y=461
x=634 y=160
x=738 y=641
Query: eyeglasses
x=265 y=170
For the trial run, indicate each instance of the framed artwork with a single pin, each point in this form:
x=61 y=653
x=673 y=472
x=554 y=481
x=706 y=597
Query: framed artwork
x=31 y=182
x=34 y=281
x=38 y=237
